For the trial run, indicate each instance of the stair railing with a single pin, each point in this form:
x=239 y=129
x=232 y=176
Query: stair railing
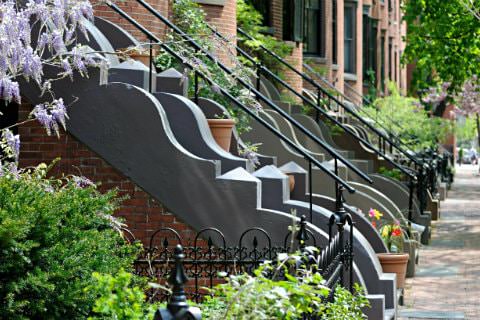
x=322 y=92
x=340 y=184
x=262 y=69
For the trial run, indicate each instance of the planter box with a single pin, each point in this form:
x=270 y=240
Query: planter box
x=212 y=2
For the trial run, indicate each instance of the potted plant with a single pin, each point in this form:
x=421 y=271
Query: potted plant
x=222 y=129
x=137 y=53
x=395 y=260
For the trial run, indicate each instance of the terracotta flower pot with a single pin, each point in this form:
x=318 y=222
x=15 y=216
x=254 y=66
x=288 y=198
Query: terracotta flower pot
x=395 y=263
x=222 y=131
x=143 y=58
x=291 y=181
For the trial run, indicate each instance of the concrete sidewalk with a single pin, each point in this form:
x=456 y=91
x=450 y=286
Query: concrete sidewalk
x=447 y=282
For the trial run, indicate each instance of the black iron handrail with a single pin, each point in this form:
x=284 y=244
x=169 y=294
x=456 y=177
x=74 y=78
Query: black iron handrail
x=261 y=68
x=365 y=101
x=331 y=97
x=339 y=182
x=256 y=92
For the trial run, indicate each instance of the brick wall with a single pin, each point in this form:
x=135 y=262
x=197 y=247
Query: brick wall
x=142 y=213
x=140 y=14
x=224 y=18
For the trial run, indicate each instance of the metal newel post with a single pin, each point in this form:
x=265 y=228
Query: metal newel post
x=317 y=113
x=340 y=217
x=259 y=74
x=196 y=87
x=302 y=235
x=150 y=71
x=177 y=307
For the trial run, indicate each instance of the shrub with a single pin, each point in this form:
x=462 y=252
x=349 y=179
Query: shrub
x=53 y=235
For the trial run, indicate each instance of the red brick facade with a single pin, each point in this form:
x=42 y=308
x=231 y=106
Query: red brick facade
x=142 y=213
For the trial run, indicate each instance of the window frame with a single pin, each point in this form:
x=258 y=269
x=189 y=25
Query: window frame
x=320 y=30
x=353 y=41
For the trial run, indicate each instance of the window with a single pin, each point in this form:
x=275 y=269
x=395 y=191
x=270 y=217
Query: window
x=293 y=20
x=390 y=59
x=369 y=46
x=382 y=59
x=334 y=31
x=314 y=28
x=263 y=7
x=349 y=37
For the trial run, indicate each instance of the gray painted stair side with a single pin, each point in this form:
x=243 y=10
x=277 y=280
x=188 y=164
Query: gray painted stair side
x=210 y=108
x=191 y=130
x=310 y=124
x=271 y=145
x=274 y=182
x=400 y=195
x=320 y=182
x=129 y=129
x=287 y=129
x=119 y=38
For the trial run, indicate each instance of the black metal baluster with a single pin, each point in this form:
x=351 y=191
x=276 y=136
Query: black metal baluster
x=150 y=71
x=310 y=188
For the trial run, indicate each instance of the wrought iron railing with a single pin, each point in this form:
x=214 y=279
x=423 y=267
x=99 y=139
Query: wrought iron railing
x=191 y=265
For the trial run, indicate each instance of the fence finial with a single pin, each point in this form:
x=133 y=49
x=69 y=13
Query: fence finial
x=302 y=235
x=177 y=308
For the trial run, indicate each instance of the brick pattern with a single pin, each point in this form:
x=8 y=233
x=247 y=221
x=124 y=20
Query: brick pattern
x=224 y=18
x=142 y=213
x=140 y=14
x=295 y=59
x=277 y=18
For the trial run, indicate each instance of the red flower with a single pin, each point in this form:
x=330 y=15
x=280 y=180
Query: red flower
x=374 y=224
x=396 y=232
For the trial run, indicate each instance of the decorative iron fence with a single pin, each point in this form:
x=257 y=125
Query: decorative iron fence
x=191 y=266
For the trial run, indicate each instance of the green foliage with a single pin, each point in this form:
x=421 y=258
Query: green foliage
x=346 y=306
x=443 y=38
x=119 y=298
x=466 y=131
x=53 y=235
x=191 y=20
x=407 y=119
x=394 y=173
x=274 y=292
x=250 y=21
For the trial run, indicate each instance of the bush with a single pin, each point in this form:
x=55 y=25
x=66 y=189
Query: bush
x=53 y=235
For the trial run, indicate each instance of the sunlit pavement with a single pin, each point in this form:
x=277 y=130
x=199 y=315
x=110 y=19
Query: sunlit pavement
x=447 y=281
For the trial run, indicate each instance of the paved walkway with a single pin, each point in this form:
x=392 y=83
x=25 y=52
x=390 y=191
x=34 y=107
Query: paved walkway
x=447 y=282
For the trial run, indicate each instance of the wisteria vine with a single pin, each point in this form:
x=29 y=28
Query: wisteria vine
x=33 y=35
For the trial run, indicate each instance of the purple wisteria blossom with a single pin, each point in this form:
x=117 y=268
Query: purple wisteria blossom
x=11 y=143
x=435 y=95
x=51 y=115
x=82 y=182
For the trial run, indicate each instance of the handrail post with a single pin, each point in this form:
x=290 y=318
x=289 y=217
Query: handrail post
x=411 y=185
x=319 y=100
x=302 y=235
x=177 y=307
x=196 y=86
x=340 y=220
x=150 y=71
x=310 y=189
x=259 y=74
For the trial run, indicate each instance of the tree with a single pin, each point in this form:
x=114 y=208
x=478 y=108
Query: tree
x=443 y=40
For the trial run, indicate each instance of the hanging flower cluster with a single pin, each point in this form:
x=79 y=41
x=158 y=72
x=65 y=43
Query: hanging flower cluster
x=33 y=35
x=468 y=99
x=435 y=95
